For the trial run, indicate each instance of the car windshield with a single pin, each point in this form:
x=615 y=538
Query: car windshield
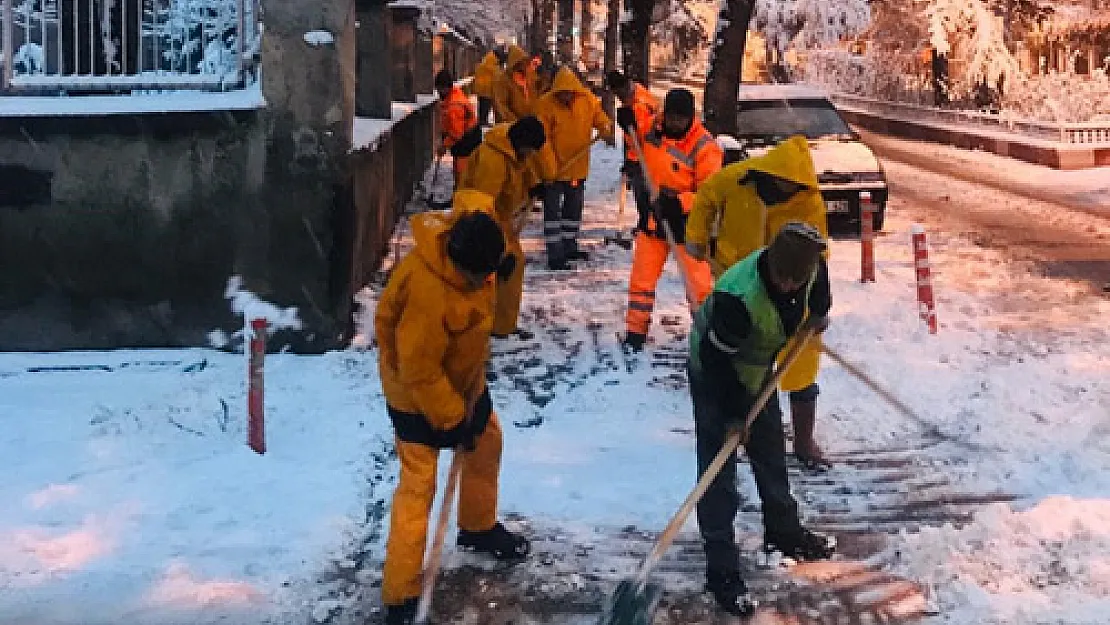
x=814 y=118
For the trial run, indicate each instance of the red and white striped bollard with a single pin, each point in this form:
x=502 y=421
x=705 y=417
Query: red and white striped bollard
x=925 y=298
x=256 y=413
x=866 y=237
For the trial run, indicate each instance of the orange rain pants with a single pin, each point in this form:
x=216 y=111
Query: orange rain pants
x=648 y=260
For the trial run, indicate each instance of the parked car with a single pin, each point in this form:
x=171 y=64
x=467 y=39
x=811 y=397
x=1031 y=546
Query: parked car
x=846 y=168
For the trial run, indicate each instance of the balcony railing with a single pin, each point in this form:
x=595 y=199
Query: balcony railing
x=121 y=46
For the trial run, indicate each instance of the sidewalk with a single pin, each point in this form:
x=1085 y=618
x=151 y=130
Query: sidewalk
x=1085 y=190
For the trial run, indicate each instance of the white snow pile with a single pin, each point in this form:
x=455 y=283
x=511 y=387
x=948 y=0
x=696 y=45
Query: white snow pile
x=1049 y=564
x=250 y=306
x=317 y=38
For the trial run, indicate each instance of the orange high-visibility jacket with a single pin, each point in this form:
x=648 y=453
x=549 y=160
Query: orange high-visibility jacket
x=456 y=116
x=646 y=107
x=680 y=166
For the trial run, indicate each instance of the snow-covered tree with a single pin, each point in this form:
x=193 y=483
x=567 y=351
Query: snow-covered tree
x=974 y=27
x=808 y=23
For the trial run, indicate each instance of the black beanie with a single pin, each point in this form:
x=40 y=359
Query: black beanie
x=527 y=132
x=475 y=243
x=444 y=79
x=679 y=102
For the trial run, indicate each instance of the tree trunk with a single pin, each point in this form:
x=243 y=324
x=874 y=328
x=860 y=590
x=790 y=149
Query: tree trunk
x=635 y=40
x=612 y=42
x=726 y=61
x=543 y=12
x=564 y=46
x=585 y=34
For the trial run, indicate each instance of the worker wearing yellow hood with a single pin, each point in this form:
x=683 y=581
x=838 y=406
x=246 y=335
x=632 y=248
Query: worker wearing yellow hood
x=740 y=210
x=433 y=327
x=570 y=113
x=514 y=91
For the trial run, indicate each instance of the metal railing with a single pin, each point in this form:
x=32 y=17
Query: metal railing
x=1094 y=133
x=114 y=46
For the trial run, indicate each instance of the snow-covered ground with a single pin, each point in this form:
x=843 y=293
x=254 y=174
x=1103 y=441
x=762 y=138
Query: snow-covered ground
x=130 y=496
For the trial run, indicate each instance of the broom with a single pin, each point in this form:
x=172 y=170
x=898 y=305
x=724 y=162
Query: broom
x=635 y=600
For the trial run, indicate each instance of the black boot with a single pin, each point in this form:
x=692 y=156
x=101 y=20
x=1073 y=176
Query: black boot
x=404 y=614
x=578 y=255
x=496 y=541
x=730 y=591
x=634 y=342
x=802 y=545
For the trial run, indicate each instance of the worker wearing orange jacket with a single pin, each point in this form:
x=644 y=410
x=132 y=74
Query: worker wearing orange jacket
x=456 y=118
x=643 y=107
x=433 y=326
x=679 y=155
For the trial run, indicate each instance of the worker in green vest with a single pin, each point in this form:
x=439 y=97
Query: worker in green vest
x=755 y=308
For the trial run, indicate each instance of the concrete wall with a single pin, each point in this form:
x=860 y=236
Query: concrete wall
x=129 y=228
x=126 y=228
x=123 y=230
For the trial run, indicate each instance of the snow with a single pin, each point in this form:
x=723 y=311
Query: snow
x=317 y=38
x=249 y=98
x=780 y=92
x=133 y=497
x=370 y=130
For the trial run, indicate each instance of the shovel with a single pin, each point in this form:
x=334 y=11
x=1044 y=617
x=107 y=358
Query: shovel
x=429 y=199
x=618 y=237
x=435 y=555
x=635 y=600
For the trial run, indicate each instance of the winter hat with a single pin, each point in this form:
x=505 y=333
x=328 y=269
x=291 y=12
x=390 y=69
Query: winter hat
x=795 y=251
x=527 y=133
x=475 y=243
x=444 y=79
x=679 y=102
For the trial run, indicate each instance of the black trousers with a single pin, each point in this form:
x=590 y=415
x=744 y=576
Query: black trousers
x=562 y=218
x=636 y=181
x=766 y=451
x=485 y=107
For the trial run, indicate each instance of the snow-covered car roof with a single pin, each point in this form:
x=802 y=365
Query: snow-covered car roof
x=780 y=92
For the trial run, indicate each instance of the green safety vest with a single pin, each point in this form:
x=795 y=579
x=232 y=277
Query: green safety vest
x=761 y=347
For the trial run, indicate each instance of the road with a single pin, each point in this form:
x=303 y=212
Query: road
x=1063 y=239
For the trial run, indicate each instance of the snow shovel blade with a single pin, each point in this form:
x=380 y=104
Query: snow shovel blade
x=619 y=240
x=630 y=605
x=438 y=204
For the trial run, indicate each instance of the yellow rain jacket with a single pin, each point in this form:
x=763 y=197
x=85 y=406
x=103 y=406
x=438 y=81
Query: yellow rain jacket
x=742 y=224
x=735 y=214
x=433 y=337
x=494 y=169
x=432 y=330
x=485 y=75
x=514 y=89
x=566 y=156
